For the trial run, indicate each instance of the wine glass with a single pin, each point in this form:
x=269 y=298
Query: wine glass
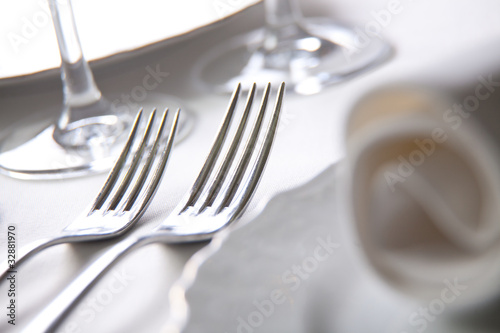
x=90 y=131
x=308 y=54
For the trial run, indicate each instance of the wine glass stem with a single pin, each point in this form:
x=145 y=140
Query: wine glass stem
x=282 y=23
x=282 y=13
x=79 y=87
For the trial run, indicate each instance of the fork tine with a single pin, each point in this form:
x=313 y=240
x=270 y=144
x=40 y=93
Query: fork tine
x=260 y=163
x=231 y=153
x=115 y=172
x=249 y=149
x=207 y=168
x=158 y=173
x=147 y=166
x=125 y=183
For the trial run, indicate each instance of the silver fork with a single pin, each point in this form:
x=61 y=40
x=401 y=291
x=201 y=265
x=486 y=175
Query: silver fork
x=118 y=205
x=204 y=210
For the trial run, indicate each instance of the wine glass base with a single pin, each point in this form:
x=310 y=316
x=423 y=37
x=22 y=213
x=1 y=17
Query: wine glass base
x=323 y=54
x=31 y=152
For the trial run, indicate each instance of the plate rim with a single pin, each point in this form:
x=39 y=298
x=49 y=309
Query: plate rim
x=128 y=54
x=179 y=315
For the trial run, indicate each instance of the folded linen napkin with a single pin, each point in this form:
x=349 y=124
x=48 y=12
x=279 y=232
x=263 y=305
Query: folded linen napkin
x=422 y=191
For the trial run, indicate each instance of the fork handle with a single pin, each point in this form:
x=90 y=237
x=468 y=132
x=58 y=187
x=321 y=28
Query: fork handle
x=28 y=251
x=50 y=317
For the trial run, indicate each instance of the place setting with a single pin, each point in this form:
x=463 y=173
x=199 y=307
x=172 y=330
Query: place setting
x=262 y=166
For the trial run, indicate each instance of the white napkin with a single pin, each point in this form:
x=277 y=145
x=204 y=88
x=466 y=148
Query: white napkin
x=423 y=195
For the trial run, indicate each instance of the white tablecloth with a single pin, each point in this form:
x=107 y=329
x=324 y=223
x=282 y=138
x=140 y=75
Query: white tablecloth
x=445 y=41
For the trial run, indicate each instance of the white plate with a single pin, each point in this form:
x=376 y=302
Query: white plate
x=230 y=285
x=105 y=27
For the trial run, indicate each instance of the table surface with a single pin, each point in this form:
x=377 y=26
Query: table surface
x=441 y=42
